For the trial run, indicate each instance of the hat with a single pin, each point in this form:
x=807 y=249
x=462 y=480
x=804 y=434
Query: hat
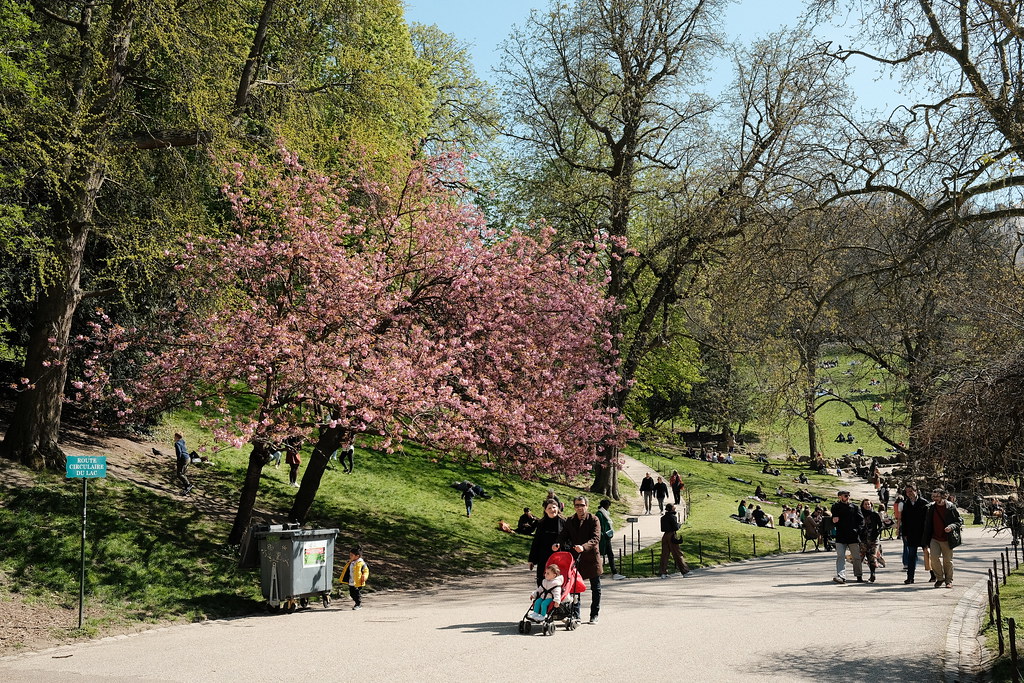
x=844 y=493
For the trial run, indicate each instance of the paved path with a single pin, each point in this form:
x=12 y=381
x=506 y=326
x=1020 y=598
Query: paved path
x=778 y=618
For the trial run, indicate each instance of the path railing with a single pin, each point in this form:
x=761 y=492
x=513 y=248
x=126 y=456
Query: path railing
x=995 y=606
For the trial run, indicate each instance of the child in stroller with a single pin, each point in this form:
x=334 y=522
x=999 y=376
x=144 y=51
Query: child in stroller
x=549 y=591
x=555 y=609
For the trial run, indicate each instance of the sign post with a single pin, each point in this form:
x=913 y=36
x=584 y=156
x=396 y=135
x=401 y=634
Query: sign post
x=84 y=467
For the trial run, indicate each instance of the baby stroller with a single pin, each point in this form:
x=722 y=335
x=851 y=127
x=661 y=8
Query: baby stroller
x=572 y=586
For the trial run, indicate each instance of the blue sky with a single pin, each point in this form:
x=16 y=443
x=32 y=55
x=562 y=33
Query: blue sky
x=484 y=25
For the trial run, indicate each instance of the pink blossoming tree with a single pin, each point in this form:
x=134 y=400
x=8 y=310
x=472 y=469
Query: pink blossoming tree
x=341 y=308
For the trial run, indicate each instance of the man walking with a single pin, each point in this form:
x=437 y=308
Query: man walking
x=647 y=491
x=182 y=461
x=583 y=532
x=607 y=534
x=661 y=493
x=848 y=521
x=942 y=524
x=911 y=528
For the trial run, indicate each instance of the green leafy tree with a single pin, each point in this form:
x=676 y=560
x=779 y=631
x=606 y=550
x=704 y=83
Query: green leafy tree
x=127 y=109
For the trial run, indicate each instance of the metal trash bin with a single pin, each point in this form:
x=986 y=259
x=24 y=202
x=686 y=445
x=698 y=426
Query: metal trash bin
x=296 y=565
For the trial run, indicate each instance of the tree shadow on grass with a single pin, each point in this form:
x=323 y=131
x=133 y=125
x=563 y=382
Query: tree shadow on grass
x=146 y=554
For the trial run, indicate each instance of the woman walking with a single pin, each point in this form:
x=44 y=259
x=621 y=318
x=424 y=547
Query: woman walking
x=676 y=482
x=548 y=529
x=669 y=544
x=869 y=534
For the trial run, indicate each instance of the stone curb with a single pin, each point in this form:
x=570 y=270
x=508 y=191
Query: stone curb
x=962 y=660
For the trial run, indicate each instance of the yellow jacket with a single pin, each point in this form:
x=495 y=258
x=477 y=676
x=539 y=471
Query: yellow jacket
x=360 y=573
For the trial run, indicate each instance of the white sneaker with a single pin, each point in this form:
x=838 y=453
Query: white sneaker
x=617 y=577
x=664 y=576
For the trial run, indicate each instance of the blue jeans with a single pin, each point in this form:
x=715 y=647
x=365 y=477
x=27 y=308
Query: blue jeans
x=910 y=557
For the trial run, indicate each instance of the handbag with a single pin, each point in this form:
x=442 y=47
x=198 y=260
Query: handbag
x=954 y=537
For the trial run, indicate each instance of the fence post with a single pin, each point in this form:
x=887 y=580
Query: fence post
x=700 y=551
x=753 y=538
x=728 y=540
x=999 y=625
x=780 y=540
x=991 y=601
x=1013 y=649
x=652 y=560
x=1006 y=566
x=995 y=573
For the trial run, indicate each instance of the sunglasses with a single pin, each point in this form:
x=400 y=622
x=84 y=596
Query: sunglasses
x=579 y=505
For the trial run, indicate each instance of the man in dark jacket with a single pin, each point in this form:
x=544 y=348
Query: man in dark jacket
x=661 y=493
x=942 y=524
x=582 y=532
x=911 y=528
x=848 y=520
x=647 y=491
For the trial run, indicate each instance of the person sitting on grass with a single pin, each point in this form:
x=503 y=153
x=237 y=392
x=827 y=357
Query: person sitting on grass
x=741 y=511
x=759 y=493
x=762 y=518
x=527 y=522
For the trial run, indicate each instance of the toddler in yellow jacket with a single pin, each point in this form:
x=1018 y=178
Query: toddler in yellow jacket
x=354 y=575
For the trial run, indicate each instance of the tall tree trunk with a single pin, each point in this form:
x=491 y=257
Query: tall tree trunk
x=35 y=424
x=250 y=489
x=606 y=470
x=329 y=441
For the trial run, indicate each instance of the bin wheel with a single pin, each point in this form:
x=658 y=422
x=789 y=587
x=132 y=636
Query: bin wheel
x=290 y=607
x=303 y=602
x=273 y=609
x=326 y=599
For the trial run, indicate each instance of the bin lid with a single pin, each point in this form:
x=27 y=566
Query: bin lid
x=295 y=533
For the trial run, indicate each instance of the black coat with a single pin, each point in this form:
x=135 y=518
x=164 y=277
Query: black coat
x=850 y=522
x=912 y=521
x=950 y=515
x=660 y=490
x=545 y=535
x=669 y=522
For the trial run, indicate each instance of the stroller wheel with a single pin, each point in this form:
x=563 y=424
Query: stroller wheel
x=522 y=626
x=549 y=629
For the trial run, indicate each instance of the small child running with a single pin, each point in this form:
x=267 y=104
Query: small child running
x=354 y=575
x=549 y=591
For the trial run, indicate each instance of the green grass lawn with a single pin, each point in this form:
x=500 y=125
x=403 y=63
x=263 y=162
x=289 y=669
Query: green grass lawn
x=710 y=536
x=787 y=431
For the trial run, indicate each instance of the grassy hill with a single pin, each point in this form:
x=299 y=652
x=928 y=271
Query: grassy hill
x=153 y=555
